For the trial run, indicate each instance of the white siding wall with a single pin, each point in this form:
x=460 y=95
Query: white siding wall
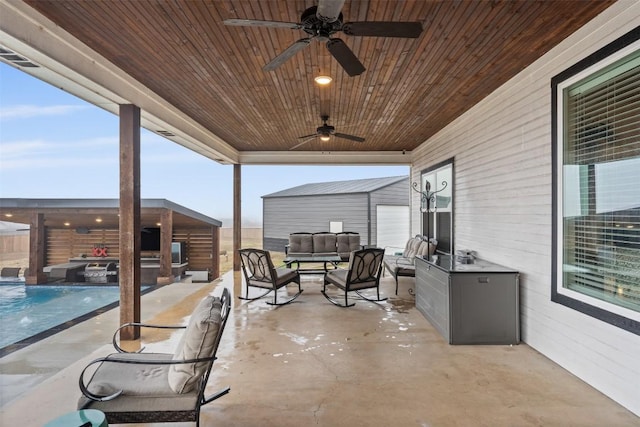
x=502 y=150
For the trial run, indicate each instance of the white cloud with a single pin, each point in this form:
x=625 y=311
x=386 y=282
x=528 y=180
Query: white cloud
x=30 y=111
x=54 y=154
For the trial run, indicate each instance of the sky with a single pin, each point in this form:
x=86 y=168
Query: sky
x=55 y=145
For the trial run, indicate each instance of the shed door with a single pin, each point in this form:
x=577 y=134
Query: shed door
x=392 y=227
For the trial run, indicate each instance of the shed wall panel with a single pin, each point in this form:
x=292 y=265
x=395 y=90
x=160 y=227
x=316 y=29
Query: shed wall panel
x=285 y=215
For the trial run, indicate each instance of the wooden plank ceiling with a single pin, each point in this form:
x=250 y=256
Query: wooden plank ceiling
x=181 y=50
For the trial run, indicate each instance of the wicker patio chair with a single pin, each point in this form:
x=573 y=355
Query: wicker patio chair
x=159 y=387
x=260 y=272
x=363 y=272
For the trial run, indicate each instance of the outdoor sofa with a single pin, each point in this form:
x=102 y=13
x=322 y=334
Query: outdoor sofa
x=402 y=263
x=323 y=244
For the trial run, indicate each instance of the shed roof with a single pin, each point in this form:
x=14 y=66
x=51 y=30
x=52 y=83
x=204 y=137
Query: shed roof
x=338 y=187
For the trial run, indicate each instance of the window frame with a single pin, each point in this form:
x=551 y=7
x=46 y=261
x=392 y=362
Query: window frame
x=424 y=216
x=610 y=313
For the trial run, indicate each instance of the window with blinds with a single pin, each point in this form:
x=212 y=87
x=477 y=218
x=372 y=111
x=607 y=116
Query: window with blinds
x=598 y=217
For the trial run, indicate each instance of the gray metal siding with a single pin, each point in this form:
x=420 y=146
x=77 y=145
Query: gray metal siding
x=285 y=215
x=273 y=244
x=394 y=194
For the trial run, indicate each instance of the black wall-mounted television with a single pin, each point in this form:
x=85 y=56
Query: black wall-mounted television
x=150 y=239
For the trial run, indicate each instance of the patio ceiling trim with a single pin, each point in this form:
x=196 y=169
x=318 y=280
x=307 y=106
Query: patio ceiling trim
x=375 y=158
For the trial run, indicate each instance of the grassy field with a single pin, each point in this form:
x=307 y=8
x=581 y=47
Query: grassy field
x=251 y=238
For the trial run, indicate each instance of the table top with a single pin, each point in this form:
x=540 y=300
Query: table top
x=313 y=258
x=83 y=417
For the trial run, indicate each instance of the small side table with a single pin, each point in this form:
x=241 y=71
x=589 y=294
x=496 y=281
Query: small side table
x=81 y=418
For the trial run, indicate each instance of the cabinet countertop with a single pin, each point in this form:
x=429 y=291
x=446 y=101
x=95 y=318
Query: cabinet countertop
x=448 y=264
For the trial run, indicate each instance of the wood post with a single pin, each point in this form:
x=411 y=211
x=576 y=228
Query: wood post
x=237 y=215
x=129 y=274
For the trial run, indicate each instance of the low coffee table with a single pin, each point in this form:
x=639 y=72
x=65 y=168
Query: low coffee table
x=327 y=259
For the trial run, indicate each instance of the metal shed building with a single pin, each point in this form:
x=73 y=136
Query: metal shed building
x=377 y=208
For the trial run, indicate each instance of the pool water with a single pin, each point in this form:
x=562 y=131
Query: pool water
x=26 y=311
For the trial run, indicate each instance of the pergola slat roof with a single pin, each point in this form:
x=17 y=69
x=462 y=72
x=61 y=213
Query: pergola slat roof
x=83 y=213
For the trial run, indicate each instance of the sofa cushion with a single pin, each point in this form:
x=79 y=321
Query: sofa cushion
x=324 y=244
x=411 y=249
x=198 y=341
x=425 y=249
x=300 y=244
x=398 y=265
x=346 y=243
x=404 y=264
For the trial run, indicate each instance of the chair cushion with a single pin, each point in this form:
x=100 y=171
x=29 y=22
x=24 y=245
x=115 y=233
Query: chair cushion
x=133 y=379
x=337 y=277
x=285 y=275
x=144 y=387
x=198 y=341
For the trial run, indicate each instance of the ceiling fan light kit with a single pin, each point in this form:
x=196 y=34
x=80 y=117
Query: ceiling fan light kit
x=324 y=132
x=323 y=80
x=320 y=23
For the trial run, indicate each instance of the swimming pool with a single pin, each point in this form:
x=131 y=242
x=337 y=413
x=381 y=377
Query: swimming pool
x=30 y=313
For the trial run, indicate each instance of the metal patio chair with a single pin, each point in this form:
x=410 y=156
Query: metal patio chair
x=159 y=387
x=260 y=272
x=363 y=272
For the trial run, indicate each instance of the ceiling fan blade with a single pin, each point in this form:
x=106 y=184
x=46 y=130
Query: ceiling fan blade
x=351 y=137
x=302 y=143
x=383 y=29
x=345 y=57
x=256 y=23
x=308 y=136
x=329 y=10
x=288 y=53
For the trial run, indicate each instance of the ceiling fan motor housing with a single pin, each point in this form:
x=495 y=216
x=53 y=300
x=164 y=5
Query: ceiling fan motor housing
x=314 y=26
x=326 y=130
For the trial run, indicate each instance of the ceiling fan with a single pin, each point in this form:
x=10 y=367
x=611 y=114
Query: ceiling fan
x=324 y=20
x=324 y=132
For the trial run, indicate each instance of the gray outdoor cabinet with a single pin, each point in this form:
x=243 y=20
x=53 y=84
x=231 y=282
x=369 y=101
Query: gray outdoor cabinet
x=474 y=303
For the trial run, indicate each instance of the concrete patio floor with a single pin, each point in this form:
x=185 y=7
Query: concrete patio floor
x=311 y=363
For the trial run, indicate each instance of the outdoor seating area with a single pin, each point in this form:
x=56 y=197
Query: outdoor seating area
x=401 y=263
x=260 y=272
x=507 y=131
x=140 y=387
x=363 y=272
x=302 y=244
x=10 y=272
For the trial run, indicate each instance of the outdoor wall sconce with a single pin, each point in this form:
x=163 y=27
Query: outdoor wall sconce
x=428 y=198
x=428 y=201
